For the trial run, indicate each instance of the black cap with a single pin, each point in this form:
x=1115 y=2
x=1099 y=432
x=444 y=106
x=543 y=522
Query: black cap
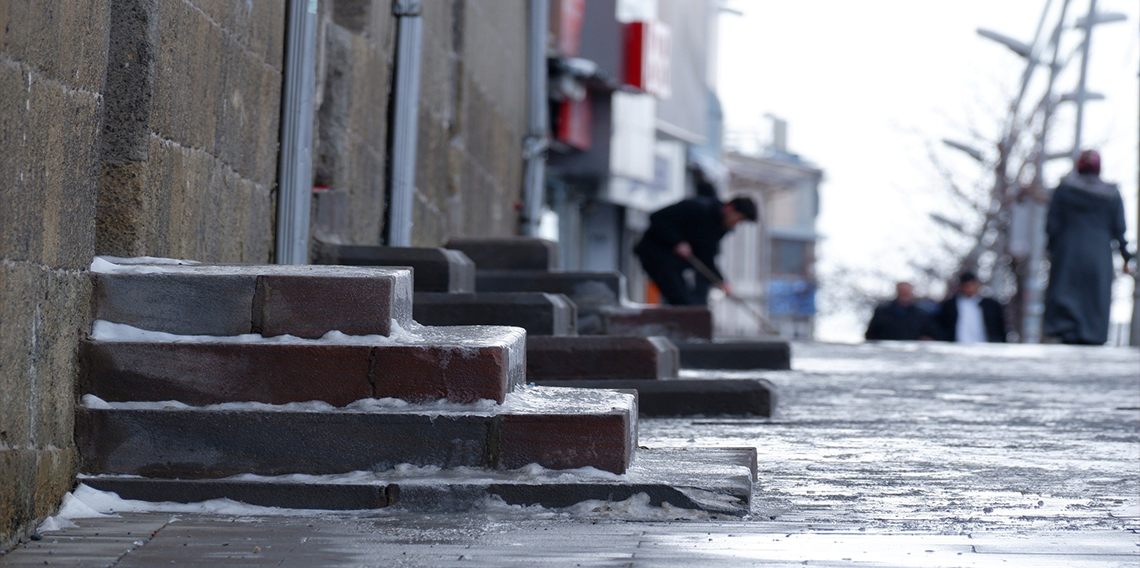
x=967 y=277
x=745 y=206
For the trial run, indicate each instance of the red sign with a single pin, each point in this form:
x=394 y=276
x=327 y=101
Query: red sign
x=571 y=13
x=648 y=51
x=576 y=123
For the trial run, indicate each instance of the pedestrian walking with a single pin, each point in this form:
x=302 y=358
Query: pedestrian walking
x=967 y=317
x=1085 y=216
x=900 y=319
x=692 y=228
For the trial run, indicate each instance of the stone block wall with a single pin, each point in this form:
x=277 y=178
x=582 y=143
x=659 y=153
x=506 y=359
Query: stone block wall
x=472 y=120
x=52 y=57
x=356 y=51
x=189 y=153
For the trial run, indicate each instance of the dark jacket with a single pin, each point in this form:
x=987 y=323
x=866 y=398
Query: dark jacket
x=992 y=317
x=698 y=221
x=894 y=322
x=1085 y=217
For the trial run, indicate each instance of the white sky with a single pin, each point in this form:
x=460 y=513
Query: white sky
x=866 y=86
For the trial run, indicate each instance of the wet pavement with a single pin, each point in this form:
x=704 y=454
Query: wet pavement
x=879 y=455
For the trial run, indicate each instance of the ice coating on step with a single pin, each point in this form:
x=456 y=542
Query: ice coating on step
x=101 y=265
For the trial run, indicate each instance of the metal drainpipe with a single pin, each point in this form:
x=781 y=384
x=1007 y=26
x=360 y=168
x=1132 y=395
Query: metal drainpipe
x=295 y=165
x=405 y=121
x=534 y=146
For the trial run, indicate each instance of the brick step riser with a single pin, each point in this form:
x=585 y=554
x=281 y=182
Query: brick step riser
x=536 y=312
x=594 y=357
x=678 y=323
x=583 y=288
x=690 y=397
x=513 y=253
x=735 y=355
x=435 y=269
x=210 y=373
x=213 y=444
x=307 y=306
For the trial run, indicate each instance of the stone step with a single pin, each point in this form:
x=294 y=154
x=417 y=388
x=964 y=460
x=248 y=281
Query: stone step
x=554 y=428
x=435 y=269
x=583 y=288
x=508 y=253
x=678 y=323
x=304 y=301
x=739 y=354
x=706 y=396
x=458 y=364
x=536 y=312
x=717 y=480
x=598 y=357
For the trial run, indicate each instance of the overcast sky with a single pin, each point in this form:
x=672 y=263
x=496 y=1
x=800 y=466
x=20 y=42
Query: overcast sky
x=867 y=86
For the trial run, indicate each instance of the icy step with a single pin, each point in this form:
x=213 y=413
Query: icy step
x=717 y=480
x=555 y=428
x=536 y=312
x=303 y=301
x=736 y=354
x=508 y=253
x=600 y=357
x=692 y=395
x=436 y=269
x=458 y=364
x=583 y=288
x=678 y=323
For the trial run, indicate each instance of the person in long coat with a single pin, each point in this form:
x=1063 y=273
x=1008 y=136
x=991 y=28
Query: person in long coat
x=1085 y=216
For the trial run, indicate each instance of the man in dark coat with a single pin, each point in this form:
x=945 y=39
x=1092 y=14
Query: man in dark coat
x=1085 y=216
x=967 y=317
x=900 y=319
x=690 y=228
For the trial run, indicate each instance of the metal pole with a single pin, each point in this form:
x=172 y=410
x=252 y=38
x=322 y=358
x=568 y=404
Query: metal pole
x=534 y=147
x=295 y=162
x=1134 y=333
x=405 y=122
x=1081 y=93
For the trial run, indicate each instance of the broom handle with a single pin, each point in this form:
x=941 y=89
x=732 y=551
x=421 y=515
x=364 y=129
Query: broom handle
x=717 y=281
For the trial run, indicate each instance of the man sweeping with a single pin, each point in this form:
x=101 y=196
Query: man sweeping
x=684 y=236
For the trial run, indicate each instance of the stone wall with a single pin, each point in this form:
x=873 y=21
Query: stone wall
x=356 y=50
x=189 y=153
x=472 y=120
x=52 y=57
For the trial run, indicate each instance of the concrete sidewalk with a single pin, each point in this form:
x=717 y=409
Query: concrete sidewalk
x=885 y=455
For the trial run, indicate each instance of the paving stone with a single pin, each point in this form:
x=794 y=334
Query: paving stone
x=512 y=253
x=583 y=288
x=735 y=354
x=458 y=364
x=598 y=357
x=435 y=269
x=536 y=312
x=678 y=323
x=304 y=301
x=690 y=397
x=567 y=429
x=310 y=306
x=210 y=373
x=197 y=443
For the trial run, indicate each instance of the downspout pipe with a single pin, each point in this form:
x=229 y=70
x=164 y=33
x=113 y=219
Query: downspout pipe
x=405 y=121
x=295 y=161
x=535 y=143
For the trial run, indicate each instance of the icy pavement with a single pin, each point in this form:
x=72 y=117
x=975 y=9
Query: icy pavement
x=924 y=455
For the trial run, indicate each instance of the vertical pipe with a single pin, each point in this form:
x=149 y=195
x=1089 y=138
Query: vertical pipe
x=405 y=121
x=1134 y=332
x=534 y=147
x=295 y=165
